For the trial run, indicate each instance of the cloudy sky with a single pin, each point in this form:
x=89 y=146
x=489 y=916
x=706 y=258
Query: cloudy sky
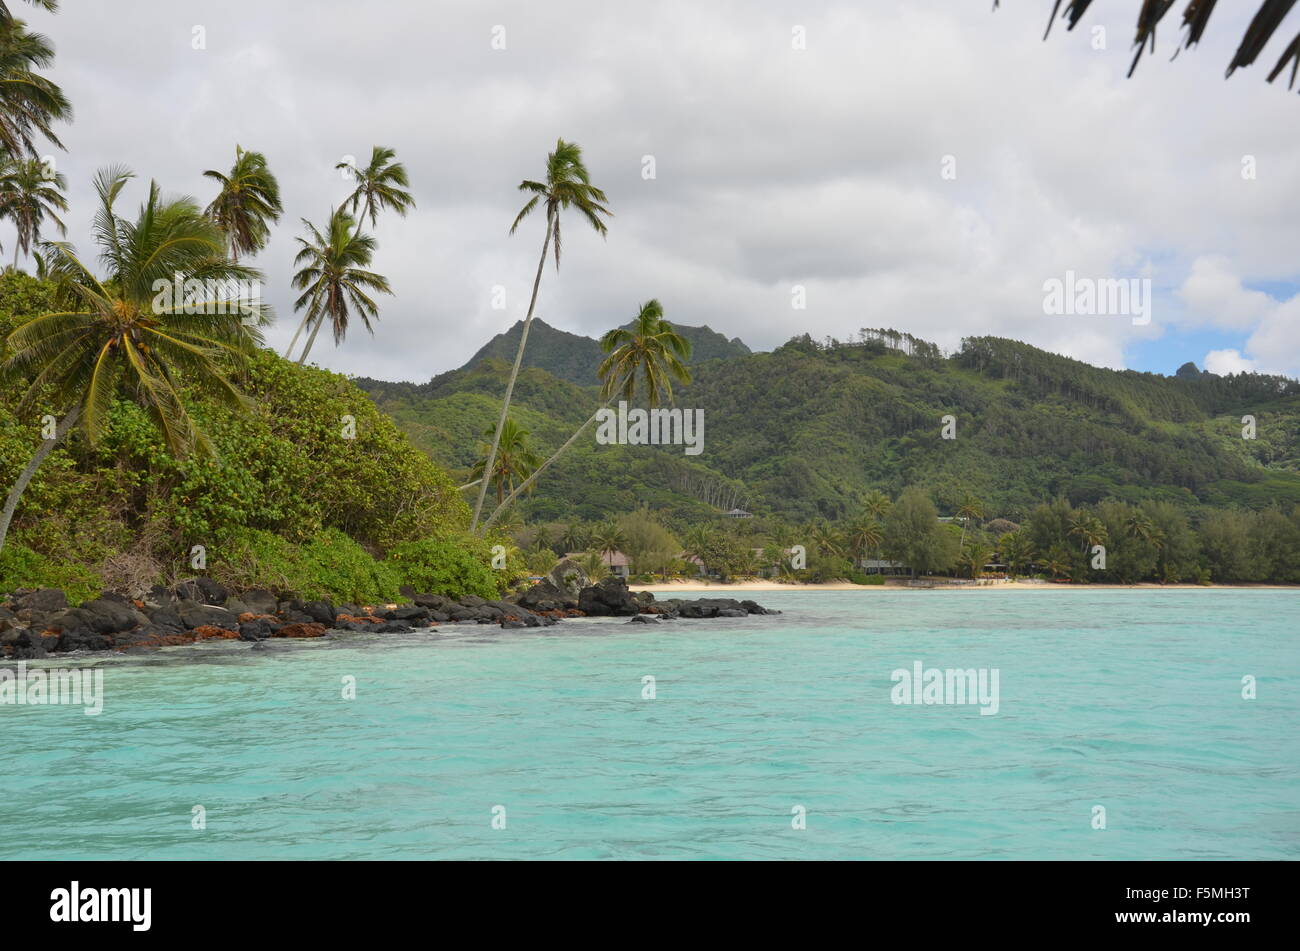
x=774 y=166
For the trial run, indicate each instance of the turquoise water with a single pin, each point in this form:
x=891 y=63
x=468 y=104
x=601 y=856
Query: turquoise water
x=1126 y=699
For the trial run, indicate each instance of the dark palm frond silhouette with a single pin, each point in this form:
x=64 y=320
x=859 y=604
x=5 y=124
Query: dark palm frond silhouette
x=1196 y=17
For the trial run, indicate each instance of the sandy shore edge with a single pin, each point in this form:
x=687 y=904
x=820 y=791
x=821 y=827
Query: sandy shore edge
x=742 y=586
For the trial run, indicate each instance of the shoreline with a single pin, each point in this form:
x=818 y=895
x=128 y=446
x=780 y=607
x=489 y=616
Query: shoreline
x=740 y=586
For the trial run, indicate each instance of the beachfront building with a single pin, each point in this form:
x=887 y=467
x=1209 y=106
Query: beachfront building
x=879 y=566
x=618 y=563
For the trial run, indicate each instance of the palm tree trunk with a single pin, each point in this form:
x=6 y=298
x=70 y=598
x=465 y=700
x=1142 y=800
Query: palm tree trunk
x=514 y=373
x=292 y=343
x=311 y=340
x=540 y=469
x=11 y=504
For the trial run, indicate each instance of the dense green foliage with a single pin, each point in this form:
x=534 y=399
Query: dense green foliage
x=454 y=567
x=808 y=431
x=327 y=565
x=301 y=489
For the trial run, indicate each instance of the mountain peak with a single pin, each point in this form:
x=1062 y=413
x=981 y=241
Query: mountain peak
x=574 y=357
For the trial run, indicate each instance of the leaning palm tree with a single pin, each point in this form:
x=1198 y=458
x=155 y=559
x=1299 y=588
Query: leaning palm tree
x=249 y=198
x=118 y=336
x=1196 y=16
x=29 y=193
x=649 y=354
x=515 y=460
x=29 y=103
x=567 y=185
x=334 y=280
x=382 y=184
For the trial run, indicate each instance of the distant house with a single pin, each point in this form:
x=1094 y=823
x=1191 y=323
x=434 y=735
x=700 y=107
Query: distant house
x=700 y=568
x=878 y=566
x=617 y=561
x=739 y=513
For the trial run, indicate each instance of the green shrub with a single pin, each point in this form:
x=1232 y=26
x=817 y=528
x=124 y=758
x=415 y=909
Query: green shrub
x=329 y=565
x=20 y=567
x=455 y=566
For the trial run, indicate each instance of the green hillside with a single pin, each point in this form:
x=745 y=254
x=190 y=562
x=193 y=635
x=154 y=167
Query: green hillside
x=808 y=430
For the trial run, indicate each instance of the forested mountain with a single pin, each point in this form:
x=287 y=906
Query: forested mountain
x=575 y=358
x=808 y=430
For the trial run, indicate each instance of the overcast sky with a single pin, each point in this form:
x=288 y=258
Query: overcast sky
x=774 y=166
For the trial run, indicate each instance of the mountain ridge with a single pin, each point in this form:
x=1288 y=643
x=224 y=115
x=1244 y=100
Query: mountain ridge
x=807 y=430
x=575 y=357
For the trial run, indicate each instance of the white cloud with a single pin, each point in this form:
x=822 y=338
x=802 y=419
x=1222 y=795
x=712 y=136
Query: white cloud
x=775 y=166
x=1225 y=362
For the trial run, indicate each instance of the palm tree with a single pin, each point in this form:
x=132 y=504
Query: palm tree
x=515 y=459
x=975 y=556
x=608 y=539
x=649 y=353
x=117 y=336
x=574 y=537
x=1016 y=550
x=567 y=185
x=696 y=541
x=970 y=508
x=29 y=103
x=1088 y=529
x=876 y=504
x=1057 y=563
x=29 y=193
x=1139 y=526
x=825 y=539
x=512 y=523
x=1196 y=16
x=248 y=199
x=750 y=563
x=380 y=185
x=334 y=279
x=592 y=564
x=863 y=535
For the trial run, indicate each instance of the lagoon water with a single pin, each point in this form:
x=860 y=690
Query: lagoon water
x=1131 y=700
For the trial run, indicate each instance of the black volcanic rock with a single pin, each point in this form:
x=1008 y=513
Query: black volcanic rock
x=608 y=598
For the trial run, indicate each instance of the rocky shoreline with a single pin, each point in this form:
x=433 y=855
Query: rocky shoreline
x=37 y=623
